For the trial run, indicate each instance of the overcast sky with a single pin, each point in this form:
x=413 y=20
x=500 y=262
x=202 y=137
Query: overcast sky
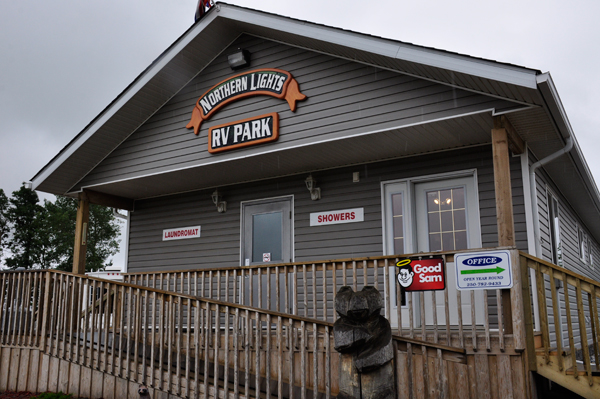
x=64 y=61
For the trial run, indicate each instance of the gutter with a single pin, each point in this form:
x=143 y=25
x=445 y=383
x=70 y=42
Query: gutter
x=555 y=108
x=536 y=216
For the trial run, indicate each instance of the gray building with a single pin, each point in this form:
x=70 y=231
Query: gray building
x=257 y=139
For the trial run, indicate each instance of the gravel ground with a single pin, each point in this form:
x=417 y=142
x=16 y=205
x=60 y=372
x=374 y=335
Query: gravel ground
x=16 y=395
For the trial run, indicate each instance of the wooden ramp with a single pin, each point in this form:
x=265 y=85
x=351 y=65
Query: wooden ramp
x=184 y=346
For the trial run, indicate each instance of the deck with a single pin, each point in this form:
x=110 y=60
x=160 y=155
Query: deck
x=222 y=333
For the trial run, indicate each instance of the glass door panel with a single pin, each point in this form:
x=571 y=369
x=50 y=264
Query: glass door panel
x=447 y=219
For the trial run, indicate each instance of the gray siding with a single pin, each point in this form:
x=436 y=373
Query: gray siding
x=219 y=244
x=570 y=224
x=344 y=98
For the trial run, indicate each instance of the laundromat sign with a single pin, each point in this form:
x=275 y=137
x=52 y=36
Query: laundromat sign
x=268 y=82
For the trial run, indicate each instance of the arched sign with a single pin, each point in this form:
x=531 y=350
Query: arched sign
x=270 y=82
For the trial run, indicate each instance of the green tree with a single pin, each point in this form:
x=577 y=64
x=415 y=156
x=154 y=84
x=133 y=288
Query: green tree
x=102 y=235
x=4 y=225
x=23 y=215
x=44 y=236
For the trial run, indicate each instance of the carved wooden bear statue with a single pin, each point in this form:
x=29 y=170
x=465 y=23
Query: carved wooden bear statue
x=364 y=339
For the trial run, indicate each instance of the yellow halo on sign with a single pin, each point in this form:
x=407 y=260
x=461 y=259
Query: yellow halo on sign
x=403 y=262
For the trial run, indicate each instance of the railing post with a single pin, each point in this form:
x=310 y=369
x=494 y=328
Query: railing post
x=46 y=311
x=527 y=311
x=516 y=299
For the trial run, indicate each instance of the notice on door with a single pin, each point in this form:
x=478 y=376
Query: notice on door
x=483 y=270
x=337 y=217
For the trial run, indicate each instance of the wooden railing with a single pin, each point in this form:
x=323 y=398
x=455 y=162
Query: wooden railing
x=567 y=307
x=309 y=289
x=182 y=344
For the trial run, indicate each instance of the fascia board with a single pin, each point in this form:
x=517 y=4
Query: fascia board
x=435 y=58
x=123 y=98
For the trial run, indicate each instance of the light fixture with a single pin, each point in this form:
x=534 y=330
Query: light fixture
x=239 y=59
x=436 y=201
x=311 y=185
x=448 y=201
x=217 y=199
x=28 y=185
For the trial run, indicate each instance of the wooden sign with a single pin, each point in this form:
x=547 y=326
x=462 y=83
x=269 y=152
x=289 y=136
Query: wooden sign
x=251 y=131
x=269 y=82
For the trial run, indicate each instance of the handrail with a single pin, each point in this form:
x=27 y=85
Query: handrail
x=309 y=289
x=130 y=331
x=574 y=345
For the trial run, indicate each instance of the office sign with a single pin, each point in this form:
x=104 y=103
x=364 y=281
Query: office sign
x=181 y=233
x=251 y=131
x=421 y=274
x=337 y=217
x=268 y=82
x=487 y=270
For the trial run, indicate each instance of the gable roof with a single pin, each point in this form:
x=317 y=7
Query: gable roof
x=207 y=39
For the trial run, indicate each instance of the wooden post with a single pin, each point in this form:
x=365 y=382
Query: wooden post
x=504 y=208
x=81 y=231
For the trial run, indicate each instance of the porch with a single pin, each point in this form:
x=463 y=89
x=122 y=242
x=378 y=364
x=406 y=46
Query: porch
x=98 y=338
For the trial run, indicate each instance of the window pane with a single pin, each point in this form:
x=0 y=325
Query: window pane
x=433 y=201
x=447 y=241
x=458 y=198
x=435 y=242
x=398 y=245
x=447 y=224
x=460 y=220
x=434 y=222
x=398 y=227
x=267 y=232
x=397 y=204
x=445 y=200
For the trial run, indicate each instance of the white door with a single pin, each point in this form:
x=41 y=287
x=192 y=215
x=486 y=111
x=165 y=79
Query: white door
x=447 y=219
x=430 y=214
x=267 y=237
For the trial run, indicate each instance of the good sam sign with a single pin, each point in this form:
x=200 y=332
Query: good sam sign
x=421 y=274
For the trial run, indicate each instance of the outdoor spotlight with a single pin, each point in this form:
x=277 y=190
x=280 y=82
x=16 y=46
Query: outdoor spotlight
x=239 y=59
x=217 y=199
x=28 y=185
x=311 y=185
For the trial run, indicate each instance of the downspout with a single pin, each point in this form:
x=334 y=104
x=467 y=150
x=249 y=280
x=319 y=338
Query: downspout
x=536 y=218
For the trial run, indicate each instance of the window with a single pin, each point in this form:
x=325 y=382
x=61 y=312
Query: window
x=590 y=250
x=582 y=245
x=554 y=221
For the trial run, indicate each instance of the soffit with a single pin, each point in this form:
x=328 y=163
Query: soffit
x=443 y=135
